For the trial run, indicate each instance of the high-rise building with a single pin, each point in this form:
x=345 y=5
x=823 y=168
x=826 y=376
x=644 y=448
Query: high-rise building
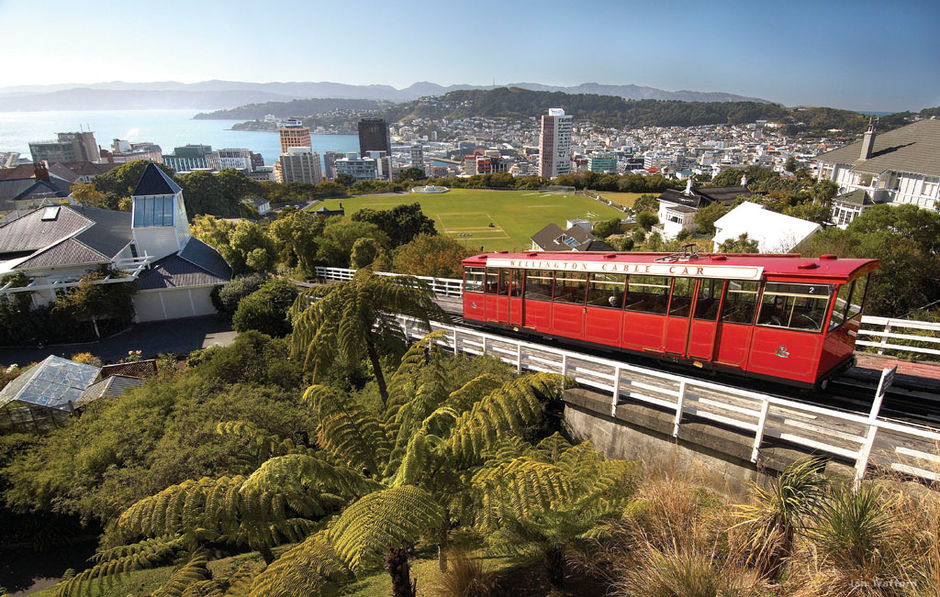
x=555 y=144
x=602 y=163
x=299 y=164
x=329 y=163
x=373 y=136
x=237 y=158
x=67 y=147
x=417 y=156
x=294 y=134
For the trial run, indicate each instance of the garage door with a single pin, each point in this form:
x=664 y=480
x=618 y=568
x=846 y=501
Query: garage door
x=173 y=304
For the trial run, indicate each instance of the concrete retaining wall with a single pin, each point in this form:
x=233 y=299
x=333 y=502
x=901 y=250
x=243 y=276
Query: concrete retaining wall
x=715 y=457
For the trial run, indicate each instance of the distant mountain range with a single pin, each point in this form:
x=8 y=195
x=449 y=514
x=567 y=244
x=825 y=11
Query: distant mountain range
x=214 y=95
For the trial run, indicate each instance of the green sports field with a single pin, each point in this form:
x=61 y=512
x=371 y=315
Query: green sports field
x=466 y=214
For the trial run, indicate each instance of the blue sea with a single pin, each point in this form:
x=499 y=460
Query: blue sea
x=166 y=128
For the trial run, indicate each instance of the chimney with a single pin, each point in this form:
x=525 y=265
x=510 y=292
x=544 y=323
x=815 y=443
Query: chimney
x=868 y=140
x=41 y=170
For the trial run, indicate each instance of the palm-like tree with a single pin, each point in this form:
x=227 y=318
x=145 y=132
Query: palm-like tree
x=356 y=319
x=778 y=512
x=398 y=474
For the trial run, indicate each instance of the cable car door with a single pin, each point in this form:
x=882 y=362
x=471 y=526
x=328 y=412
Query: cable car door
x=703 y=330
x=516 y=304
x=678 y=318
x=497 y=295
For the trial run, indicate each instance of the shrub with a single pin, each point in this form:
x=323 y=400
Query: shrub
x=265 y=309
x=87 y=358
x=226 y=298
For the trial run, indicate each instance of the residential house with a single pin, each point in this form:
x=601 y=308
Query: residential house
x=575 y=238
x=898 y=166
x=677 y=208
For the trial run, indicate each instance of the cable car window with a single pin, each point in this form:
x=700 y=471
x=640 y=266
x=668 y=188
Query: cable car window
x=473 y=279
x=842 y=302
x=649 y=294
x=740 y=302
x=503 y=287
x=492 y=281
x=570 y=287
x=606 y=290
x=794 y=306
x=709 y=297
x=516 y=288
x=681 y=304
x=538 y=284
x=858 y=298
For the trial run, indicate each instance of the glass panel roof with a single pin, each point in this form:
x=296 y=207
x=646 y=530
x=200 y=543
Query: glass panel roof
x=55 y=382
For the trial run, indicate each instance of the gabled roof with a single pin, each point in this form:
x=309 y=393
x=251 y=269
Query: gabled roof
x=114 y=385
x=155 y=182
x=202 y=255
x=914 y=148
x=111 y=232
x=44 y=188
x=53 y=383
x=198 y=268
x=856 y=197
x=68 y=252
x=30 y=232
x=576 y=238
x=700 y=197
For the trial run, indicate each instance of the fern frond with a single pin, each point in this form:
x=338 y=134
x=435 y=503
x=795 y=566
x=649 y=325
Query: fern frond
x=240 y=581
x=204 y=588
x=310 y=568
x=381 y=521
x=191 y=572
x=346 y=430
x=403 y=383
x=520 y=488
x=139 y=556
x=510 y=409
x=464 y=397
x=552 y=447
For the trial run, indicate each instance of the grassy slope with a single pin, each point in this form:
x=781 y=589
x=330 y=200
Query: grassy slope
x=625 y=199
x=467 y=213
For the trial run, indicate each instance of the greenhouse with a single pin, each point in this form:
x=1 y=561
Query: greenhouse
x=44 y=396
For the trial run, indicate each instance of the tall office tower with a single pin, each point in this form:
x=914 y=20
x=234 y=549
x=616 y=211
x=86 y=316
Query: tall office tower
x=299 y=164
x=68 y=147
x=417 y=156
x=294 y=134
x=373 y=136
x=555 y=144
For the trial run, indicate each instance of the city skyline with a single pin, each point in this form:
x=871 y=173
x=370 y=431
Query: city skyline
x=861 y=55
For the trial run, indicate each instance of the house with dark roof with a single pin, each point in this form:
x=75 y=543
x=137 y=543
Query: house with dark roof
x=677 y=208
x=896 y=167
x=576 y=238
x=55 y=246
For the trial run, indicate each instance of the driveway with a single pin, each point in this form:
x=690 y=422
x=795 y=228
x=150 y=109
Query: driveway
x=179 y=336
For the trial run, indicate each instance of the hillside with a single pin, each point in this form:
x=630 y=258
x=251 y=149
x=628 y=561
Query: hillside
x=294 y=108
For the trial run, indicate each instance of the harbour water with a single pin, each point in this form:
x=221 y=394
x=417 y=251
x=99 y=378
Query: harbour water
x=166 y=128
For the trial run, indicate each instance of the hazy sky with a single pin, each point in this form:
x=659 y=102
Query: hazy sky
x=846 y=53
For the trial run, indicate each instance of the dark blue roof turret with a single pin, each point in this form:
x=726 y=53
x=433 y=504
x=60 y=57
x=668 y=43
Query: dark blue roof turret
x=155 y=182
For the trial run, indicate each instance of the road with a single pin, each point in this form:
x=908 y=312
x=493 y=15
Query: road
x=179 y=336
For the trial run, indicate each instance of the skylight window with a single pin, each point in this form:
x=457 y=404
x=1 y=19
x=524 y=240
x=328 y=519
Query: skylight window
x=50 y=213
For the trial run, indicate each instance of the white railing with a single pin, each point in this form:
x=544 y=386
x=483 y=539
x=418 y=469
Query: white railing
x=863 y=439
x=880 y=328
x=442 y=286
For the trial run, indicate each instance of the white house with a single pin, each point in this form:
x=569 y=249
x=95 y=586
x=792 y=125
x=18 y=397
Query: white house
x=677 y=208
x=774 y=233
x=55 y=246
x=899 y=166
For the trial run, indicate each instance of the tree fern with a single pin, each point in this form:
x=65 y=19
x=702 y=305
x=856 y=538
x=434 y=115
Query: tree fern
x=383 y=520
x=261 y=444
x=111 y=564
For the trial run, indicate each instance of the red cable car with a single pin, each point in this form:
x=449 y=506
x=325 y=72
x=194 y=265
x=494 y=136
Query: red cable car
x=779 y=317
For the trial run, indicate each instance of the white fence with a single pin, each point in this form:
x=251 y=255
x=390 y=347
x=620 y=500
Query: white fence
x=441 y=286
x=862 y=439
x=880 y=330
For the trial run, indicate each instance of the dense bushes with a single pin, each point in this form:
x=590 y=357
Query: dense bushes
x=265 y=310
x=225 y=298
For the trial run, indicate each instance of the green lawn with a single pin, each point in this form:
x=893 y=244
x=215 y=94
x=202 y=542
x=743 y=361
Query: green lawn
x=625 y=199
x=466 y=214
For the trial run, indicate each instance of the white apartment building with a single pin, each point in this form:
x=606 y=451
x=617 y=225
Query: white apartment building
x=235 y=158
x=899 y=166
x=300 y=164
x=555 y=144
x=358 y=167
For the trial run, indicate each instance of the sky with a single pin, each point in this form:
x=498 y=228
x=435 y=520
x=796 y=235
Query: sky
x=857 y=54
